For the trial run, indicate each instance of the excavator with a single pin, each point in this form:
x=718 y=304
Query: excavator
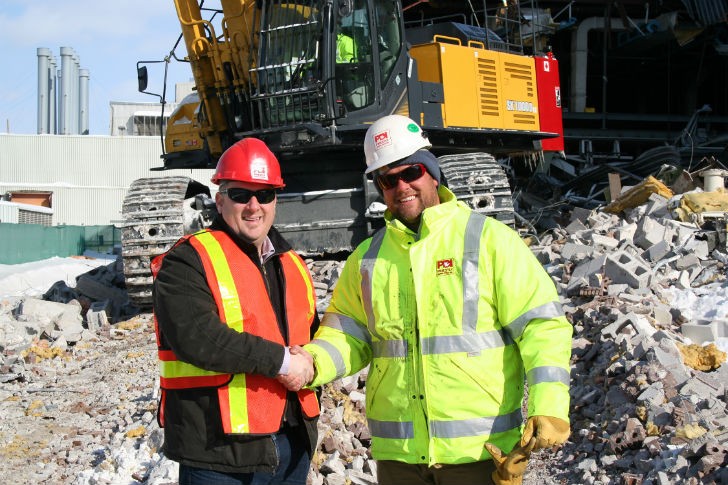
x=309 y=76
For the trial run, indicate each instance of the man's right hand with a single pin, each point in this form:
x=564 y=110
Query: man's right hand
x=300 y=370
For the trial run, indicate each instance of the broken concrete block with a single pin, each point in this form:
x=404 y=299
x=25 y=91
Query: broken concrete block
x=575 y=226
x=580 y=275
x=98 y=315
x=704 y=384
x=661 y=313
x=604 y=241
x=698 y=248
x=579 y=214
x=69 y=324
x=688 y=261
x=679 y=231
x=668 y=355
x=649 y=232
x=683 y=280
x=640 y=324
x=616 y=289
x=657 y=206
x=657 y=251
x=622 y=267
x=700 y=332
x=653 y=395
x=625 y=232
x=572 y=251
x=45 y=311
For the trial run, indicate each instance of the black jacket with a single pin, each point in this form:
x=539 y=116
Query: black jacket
x=188 y=319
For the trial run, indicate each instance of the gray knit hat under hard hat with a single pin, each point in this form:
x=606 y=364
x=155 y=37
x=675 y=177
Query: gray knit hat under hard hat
x=426 y=158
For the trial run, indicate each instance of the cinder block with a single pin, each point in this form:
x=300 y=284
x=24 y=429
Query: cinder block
x=602 y=220
x=622 y=267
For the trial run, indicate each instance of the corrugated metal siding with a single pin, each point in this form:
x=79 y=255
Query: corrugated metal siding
x=80 y=206
x=89 y=175
x=8 y=212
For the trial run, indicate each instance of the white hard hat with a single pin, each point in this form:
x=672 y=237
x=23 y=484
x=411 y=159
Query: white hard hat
x=392 y=138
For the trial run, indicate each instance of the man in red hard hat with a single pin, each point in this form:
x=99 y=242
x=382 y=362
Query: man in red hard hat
x=232 y=303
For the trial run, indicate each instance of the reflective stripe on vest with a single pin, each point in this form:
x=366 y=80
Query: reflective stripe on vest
x=228 y=269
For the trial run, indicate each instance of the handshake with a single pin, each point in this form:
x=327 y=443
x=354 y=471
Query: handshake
x=300 y=369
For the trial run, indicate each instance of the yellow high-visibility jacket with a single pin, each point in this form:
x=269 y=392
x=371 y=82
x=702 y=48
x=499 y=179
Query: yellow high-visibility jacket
x=450 y=320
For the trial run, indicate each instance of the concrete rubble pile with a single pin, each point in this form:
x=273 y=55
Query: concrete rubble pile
x=63 y=316
x=648 y=399
x=648 y=383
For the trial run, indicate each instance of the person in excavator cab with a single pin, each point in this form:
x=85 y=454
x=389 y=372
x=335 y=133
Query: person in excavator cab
x=229 y=304
x=452 y=312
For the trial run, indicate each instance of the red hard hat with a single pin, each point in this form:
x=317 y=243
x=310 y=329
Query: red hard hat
x=249 y=160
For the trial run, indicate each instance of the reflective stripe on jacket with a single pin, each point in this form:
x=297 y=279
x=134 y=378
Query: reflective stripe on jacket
x=451 y=318
x=243 y=304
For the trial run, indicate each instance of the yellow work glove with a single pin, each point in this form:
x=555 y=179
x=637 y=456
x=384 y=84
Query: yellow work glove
x=547 y=430
x=509 y=469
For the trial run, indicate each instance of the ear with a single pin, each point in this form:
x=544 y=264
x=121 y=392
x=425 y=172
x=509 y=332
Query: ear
x=218 y=201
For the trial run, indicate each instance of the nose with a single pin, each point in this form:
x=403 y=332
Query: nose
x=253 y=203
x=400 y=181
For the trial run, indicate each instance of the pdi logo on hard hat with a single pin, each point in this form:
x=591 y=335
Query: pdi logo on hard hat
x=382 y=140
x=259 y=169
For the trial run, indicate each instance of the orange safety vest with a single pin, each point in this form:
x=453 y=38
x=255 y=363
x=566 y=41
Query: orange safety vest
x=249 y=403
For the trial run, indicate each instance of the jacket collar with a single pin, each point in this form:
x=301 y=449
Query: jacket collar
x=279 y=244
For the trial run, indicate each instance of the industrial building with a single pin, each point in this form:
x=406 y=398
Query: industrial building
x=79 y=179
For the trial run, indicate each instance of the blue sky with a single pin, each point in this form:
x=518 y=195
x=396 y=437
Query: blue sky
x=108 y=37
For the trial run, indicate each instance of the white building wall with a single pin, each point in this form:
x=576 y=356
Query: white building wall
x=89 y=175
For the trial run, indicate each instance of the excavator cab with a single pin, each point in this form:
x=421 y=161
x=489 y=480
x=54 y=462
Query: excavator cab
x=319 y=62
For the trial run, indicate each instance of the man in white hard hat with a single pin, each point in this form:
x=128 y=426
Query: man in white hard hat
x=451 y=310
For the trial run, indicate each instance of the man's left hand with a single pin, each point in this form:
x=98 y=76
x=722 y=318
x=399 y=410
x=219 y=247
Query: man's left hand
x=509 y=468
x=547 y=430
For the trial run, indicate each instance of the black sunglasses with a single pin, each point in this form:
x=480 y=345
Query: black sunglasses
x=409 y=174
x=243 y=196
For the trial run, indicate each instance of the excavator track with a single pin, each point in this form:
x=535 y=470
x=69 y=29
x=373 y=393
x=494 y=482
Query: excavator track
x=478 y=180
x=154 y=219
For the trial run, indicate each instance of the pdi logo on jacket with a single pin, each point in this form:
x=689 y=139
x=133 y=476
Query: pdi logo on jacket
x=444 y=267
